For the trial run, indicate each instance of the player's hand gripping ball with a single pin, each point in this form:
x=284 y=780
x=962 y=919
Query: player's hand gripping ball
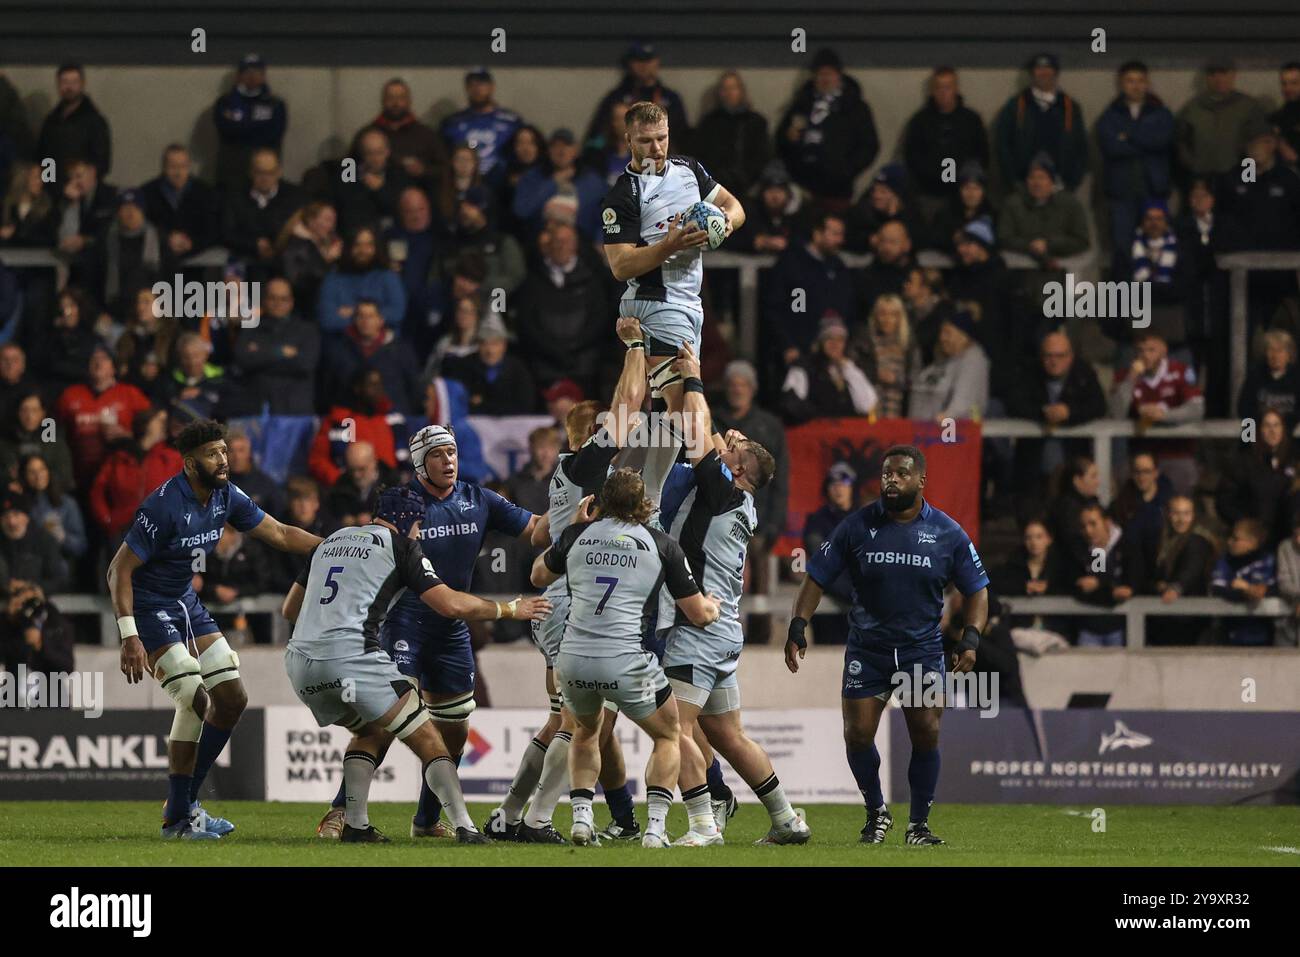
x=710 y=219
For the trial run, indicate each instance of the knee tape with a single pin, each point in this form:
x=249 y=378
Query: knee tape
x=458 y=709
x=219 y=663
x=180 y=674
x=409 y=719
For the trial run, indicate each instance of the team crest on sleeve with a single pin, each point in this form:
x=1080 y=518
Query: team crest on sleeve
x=826 y=546
x=428 y=566
x=608 y=217
x=975 y=556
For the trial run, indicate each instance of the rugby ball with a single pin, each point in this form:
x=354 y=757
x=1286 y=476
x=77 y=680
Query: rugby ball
x=710 y=219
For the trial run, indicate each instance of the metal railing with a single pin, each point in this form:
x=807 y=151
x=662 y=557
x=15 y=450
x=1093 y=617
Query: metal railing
x=30 y=257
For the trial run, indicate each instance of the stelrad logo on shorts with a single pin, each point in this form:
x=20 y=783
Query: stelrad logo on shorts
x=593 y=685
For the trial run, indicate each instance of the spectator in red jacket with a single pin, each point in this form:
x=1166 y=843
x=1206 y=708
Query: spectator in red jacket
x=97 y=412
x=134 y=468
x=365 y=418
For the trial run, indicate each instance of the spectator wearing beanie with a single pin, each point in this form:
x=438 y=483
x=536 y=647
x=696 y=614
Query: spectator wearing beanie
x=27 y=550
x=497 y=382
x=968 y=203
x=944 y=130
x=888 y=199
x=132 y=254
x=1041 y=220
x=1043 y=118
x=769 y=228
x=560 y=179
x=828 y=135
x=248 y=118
x=827 y=384
x=839 y=489
x=473 y=233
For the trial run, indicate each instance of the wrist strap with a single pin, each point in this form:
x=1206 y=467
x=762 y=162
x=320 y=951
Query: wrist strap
x=795 y=635
x=635 y=344
x=970 y=639
x=126 y=627
x=692 y=384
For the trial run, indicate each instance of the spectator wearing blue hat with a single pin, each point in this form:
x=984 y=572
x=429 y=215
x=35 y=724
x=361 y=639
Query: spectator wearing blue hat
x=641 y=82
x=828 y=135
x=981 y=282
x=968 y=203
x=956 y=384
x=840 y=489
x=943 y=129
x=1135 y=135
x=578 y=190
x=247 y=118
x=483 y=125
x=1043 y=118
x=888 y=199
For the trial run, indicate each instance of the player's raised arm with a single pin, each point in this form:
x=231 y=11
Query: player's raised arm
x=285 y=538
x=698 y=420
x=629 y=393
x=120 y=569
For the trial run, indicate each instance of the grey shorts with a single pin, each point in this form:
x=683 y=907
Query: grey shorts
x=702 y=669
x=666 y=325
x=546 y=633
x=632 y=680
x=346 y=691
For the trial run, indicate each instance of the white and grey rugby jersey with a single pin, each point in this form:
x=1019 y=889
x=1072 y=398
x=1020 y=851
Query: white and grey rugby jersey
x=351 y=579
x=637 y=210
x=577 y=474
x=713 y=526
x=614 y=570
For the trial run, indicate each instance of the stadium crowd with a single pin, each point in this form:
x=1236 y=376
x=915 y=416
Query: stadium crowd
x=439 y=272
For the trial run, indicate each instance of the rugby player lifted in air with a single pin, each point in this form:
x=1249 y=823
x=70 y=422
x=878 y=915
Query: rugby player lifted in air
x=900 y=553
x=426 y=646
x=165 y=629
x=338 y=670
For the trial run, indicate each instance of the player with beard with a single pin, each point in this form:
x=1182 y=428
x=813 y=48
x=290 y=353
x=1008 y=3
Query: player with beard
x=175 y=639
x=900 y=553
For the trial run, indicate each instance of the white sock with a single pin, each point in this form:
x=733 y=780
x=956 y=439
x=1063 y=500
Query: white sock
x=525 y=782
x=555 y=781
x=580 y=799
x=658 y=801
x=440 y=775
x=358 y=771
x=699 y=811
x=773 y=797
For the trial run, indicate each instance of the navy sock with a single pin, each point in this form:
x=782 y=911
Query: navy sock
x=619 y=800
x=923 y=779
x=430 y=808
x=341 y=798
x=178 y=798
x=211 y=742
x=718 y=789
x=865 y=766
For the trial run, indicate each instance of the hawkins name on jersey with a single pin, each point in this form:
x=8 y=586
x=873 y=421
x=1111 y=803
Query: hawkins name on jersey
x=637 y=210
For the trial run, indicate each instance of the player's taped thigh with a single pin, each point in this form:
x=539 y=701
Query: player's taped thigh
x=722 y=701
x=662 y=376
x=219 y=663
x=409 y=719
x=182 y=680
x=687 y=692
x=457 y=709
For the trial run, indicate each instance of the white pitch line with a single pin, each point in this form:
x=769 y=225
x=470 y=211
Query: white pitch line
x=1284 y=850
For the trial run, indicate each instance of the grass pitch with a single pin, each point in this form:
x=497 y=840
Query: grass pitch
x=67 y=834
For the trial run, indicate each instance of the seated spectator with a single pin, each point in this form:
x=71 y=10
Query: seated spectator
x=27 y=550
x=371 y=199
x=732 y=140
x=498 y=383
x=839 y=490
x=827 y=384
x=1140 y=505
x=1155 y=389
x=472 y=232
x=362 y=273
x=770 y=227
x=813 y=267
x=1061 y=391
x=483 y=125
x=562 y=312
x=350 y=497
x=737 y=410
x=415 y=247
x=60 y=356
x=956 y=385
x=278 y=357
x=96 y=412
x=1259 y=482
x=248 y=118
x=368 y=343
x=29 y=431
x=888 y=355
x=562 y=177
x=981 y=277
x=304 y=511
x=1107 y=571
x=463 y=174
x=254 y=215
x=74 y=128
x=195 y=382
x=525 y=151
x=1273 y=384
x=1183 y=566
x=1042 y=118
x=309 y=247
x=1211 y=129
x=28 y=217
x=888 y=199
x=363 y=415
x=134 y=467
x=943 y=131
x=34 y=634
x=607 y=155
x=1043 y=221
x=461 y=340
x=969 y=203
x=1077 y=486
x=1037 y=567
x=893 y=262
x=927 y=304
x=52 y=508
x=183 y=208
x=15 y=381
x=418 y=149
x=245 y=474
x=1288 y=587
x=528 y=488
x=86 y=209
x=1246 y=572
x=145 y=348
